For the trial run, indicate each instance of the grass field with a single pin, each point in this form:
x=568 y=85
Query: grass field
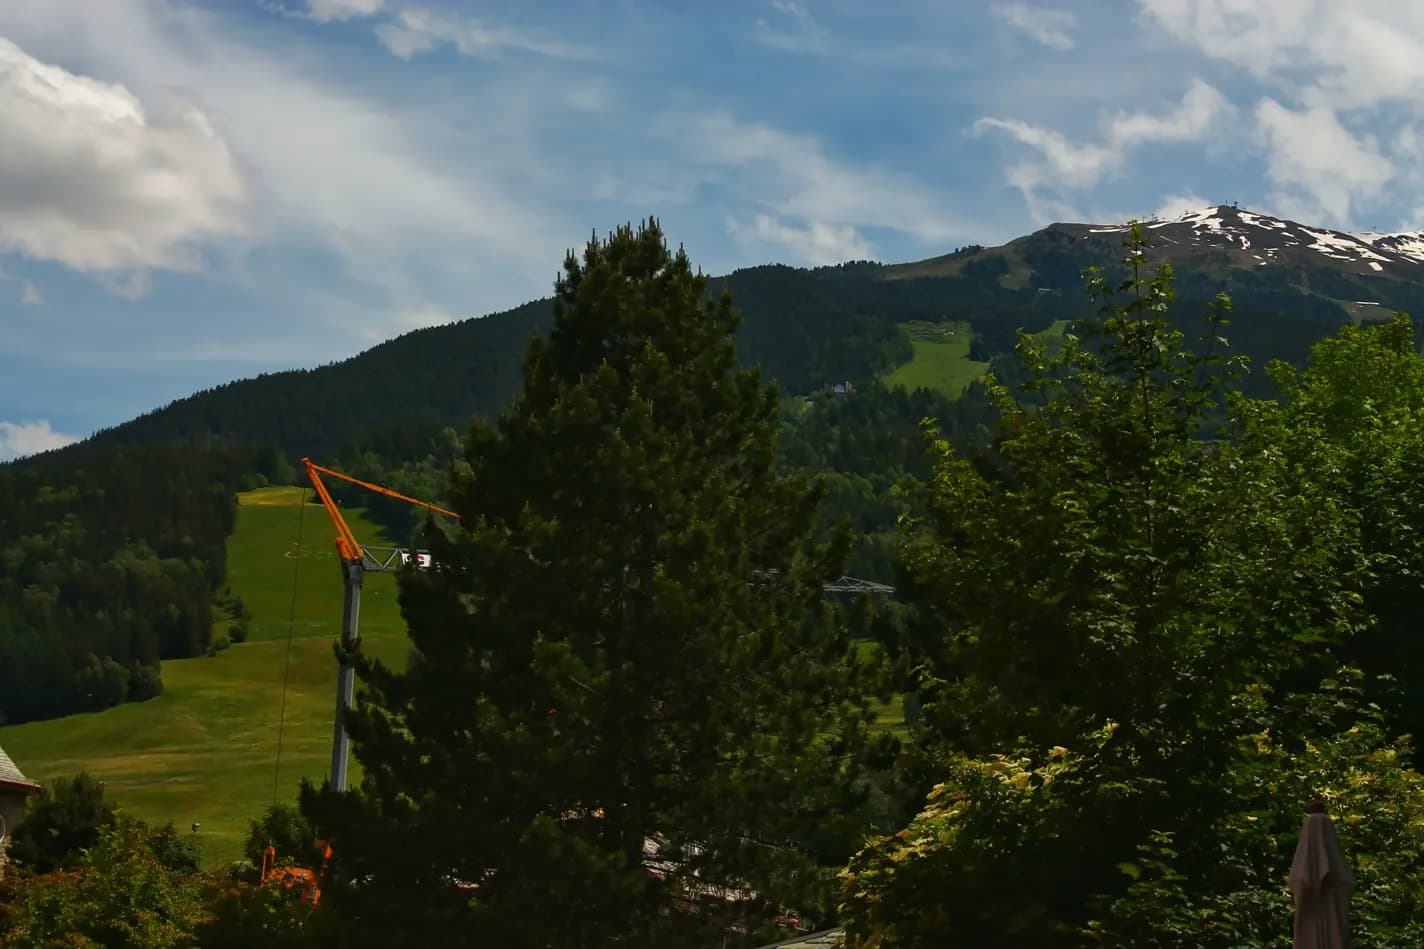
x=941 y=362
x=1055 y=331
x=261 y=557
x=205 y=749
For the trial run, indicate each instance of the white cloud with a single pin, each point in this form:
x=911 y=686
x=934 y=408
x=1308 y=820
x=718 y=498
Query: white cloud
x=1330 y=70
x=95 y=179
x=793 y=31
x=1329 y=53
x=30 y=294
x=1175 y=205
x=18 y=439
x=1044 y=25
x=816 y=244
x=327 y=10
x=791 y=175
x=1064 y=165
x=1201 y=106
x=396 y=204
x=414 y=31
x=1321 y=167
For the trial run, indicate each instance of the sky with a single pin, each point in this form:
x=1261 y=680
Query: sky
x=196 y=192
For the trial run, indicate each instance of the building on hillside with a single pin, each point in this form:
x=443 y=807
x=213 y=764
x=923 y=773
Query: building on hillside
x=15 y=790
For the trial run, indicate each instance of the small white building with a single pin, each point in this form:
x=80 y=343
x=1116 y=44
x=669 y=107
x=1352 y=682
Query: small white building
x=15 y=790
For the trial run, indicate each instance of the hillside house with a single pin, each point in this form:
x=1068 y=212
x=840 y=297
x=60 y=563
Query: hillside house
x=15 y=790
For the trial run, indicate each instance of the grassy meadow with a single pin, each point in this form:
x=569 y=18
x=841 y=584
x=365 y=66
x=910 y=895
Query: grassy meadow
x=941 y=362
x=205 y=750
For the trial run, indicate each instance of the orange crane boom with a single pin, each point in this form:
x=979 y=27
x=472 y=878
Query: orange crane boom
x=346 y=543
x=354 y=562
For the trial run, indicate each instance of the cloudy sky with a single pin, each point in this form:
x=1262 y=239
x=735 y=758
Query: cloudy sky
x=193 y=192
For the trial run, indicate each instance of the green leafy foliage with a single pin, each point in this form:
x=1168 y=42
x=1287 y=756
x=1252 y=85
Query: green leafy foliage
x=121 y=896
x=108 y=562
x=242 y=915
x=283 y=828
x=623 y=645
x=62 y=821
x=1127 y=595
x=1353 y=417
x=1378 y=808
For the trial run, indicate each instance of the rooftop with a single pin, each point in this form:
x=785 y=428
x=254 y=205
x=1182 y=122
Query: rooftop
x=12 y=776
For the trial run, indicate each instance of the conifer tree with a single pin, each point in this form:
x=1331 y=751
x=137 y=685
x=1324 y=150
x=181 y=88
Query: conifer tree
x=627 y=693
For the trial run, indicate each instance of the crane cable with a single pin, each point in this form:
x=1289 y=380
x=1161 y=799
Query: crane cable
x=291 y=622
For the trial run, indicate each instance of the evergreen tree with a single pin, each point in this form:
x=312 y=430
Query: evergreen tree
x=64 y=819
x=627 y=694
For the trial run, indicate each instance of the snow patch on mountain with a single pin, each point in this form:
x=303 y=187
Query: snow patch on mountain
x=1265 y=238
x=1406 y=244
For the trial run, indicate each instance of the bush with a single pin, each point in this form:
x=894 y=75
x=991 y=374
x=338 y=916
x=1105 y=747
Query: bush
x=101 y=683
x=984 y=862
x=289 y=833
x=121 y=896
x=145 y=682
x=240 y=629
x=63 y=820
x=244 y=915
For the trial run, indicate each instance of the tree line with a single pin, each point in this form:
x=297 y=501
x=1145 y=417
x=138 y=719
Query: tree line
x=104 y=579
x=108 y=564
x=1146 y=618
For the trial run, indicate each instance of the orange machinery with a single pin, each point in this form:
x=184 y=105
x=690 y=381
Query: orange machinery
x=306 y=882
x=356 y=560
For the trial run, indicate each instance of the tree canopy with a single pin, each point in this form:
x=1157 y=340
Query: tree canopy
x=627 y=701
x=1133 y=690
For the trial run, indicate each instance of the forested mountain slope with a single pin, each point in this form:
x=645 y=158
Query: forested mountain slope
x=112 y=547
x=1291 y=285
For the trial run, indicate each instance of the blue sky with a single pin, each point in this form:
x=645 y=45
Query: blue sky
x=196 y=192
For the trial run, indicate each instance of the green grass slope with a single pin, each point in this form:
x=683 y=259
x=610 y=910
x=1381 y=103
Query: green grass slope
x=205 y=750
x=941 y=359
x=941 y=362
x=262 y=567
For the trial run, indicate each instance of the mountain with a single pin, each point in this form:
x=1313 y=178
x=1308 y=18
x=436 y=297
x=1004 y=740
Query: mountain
x=114 y=546
x=1304 y=271
x=806 y=328
x=1291 y=283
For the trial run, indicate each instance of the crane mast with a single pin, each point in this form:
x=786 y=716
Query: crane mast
x=356 y=560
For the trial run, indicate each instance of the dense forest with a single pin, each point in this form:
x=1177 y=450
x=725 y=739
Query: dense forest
x=1149 y=620
x=109 y=564
x=396 y=413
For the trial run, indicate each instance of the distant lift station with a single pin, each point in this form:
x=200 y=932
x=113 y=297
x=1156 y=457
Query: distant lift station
x=357 y=560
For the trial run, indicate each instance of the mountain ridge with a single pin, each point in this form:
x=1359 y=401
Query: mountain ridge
x=1263 y=238
x=812 y=327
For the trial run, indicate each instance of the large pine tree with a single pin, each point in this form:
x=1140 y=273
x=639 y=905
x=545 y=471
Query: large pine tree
x=626 y=687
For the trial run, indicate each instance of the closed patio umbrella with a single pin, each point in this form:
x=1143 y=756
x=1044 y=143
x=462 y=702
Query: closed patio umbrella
x=1321 y=883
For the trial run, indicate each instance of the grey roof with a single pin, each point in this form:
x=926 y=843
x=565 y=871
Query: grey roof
x=10 y=773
